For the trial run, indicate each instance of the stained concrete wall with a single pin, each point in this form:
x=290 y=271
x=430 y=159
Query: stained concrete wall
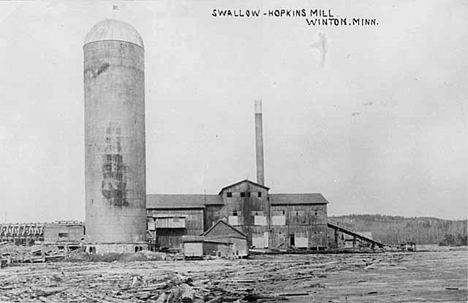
x=115 y=171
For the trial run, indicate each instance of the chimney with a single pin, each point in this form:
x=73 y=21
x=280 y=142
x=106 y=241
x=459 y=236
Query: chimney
x=259 y=142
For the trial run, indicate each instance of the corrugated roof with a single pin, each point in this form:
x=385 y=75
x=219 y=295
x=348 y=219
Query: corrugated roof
x=199 y=201
x=110 y=29
x=181 y=201
x=289 y=199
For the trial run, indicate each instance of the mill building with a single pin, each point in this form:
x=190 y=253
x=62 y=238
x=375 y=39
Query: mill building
x=269 y=220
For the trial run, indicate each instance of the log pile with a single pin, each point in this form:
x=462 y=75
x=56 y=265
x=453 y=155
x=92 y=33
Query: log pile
x=93 y=282
x=134 y=280
x=290 y=278
x=11 y=254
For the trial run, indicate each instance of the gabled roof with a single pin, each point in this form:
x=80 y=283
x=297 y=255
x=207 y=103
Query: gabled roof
x=297 y=199
x=246 y=180
x=221 y=221
x=181 y=201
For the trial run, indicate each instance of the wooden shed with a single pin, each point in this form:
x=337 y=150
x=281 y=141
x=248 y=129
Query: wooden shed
x=223 y=232
x=197 y=246
x=64 y=233
x=221 y=240
x=193 y=246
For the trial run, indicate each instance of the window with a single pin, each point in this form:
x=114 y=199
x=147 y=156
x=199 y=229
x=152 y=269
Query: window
x=300 y=235
x=278 y=212
x=242 y=195
x=260 y=240
x=63 y=235
x=300 y=213
x=229 y=194
x=259 y=194
x=278 y=217
x=301 y=240
x=248 y=194
x=233 y=219
x=259 y=218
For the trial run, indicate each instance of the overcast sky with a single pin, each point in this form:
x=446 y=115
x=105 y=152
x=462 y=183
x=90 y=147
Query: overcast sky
x=378 y=127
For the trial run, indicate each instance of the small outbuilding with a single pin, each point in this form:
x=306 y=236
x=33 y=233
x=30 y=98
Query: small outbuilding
x=196 y=247
x=66 y=233
x=221 y=240
x=193 y=246
x=222 y=231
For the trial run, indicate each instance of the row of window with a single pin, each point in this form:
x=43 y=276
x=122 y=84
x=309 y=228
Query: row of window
x=254 y=213
x=260 y=219
x=245 y=194
x=294 y=234
x=299 y=213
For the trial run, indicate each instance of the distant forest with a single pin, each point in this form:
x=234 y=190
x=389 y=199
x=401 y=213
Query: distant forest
x=395 y=230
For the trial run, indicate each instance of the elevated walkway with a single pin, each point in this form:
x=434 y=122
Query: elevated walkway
x=347 y=231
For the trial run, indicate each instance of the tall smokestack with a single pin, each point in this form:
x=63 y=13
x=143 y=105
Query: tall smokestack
x=259 y=142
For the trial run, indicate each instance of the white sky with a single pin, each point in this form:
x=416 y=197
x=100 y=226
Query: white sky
x=405 y=153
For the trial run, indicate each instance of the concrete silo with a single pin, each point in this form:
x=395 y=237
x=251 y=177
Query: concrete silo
x=115 y=166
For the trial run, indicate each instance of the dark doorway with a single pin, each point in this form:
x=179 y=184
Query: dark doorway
x=292 y=240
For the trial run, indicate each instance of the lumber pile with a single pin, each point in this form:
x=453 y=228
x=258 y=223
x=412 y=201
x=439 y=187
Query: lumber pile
x=266 y=278
x=168 y=288
x=33 y=254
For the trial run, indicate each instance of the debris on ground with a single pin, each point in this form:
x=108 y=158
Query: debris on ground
x=267 y=278
x=11 y=253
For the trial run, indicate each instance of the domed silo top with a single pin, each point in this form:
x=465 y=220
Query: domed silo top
x=110 y=29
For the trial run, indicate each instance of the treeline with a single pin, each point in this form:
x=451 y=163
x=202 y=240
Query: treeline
x=454 y=240
x=395 y=229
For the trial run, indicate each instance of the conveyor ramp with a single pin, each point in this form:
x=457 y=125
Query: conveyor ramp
x=345 y=230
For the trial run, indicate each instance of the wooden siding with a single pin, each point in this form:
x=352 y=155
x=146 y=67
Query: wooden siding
x=193 y=249
x=194 y=218
x=172 y=222
x=240 y=247
x=278 y=216
x=245 y=205
x=57 y=233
